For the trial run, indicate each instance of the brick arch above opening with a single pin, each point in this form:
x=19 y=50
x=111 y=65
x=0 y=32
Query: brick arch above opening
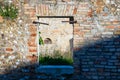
x=61 y=9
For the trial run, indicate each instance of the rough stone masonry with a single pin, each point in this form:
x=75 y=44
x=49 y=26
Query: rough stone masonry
x=96 y=34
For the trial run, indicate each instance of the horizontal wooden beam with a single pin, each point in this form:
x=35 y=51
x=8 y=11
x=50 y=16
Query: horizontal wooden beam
x=54 y=16
x=36 y=22
x=71 y=18
x=71 y=22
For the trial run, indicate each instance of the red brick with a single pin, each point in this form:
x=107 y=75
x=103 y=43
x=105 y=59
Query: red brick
x=32 y=49
x=1 y=19
x=32 y=44
x=76 y=48
x=90 y=13
x=99 y=3
x=115 y=22
x=33 y=34
x=105 y=14
x=75 y=11
x=55 y=31
x=99 y=10
x=9 y=49
x=117 y=32
x=80 y=33
x=118 y=27
x=32 y=28
x=76 y=29
x=32 y=39
x=110 y=27
x=33 y=58
x=32 y=13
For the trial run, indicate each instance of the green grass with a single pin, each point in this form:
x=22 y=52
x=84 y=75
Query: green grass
x=57 y=58
x=9 y=11
x=47 y=60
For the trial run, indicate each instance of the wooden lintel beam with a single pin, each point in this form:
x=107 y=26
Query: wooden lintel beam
x=36 y=22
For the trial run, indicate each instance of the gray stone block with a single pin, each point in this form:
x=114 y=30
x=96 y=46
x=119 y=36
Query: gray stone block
x=111 y=67
x=103 y=63
x=86 y=70
x=99 y=66
x=113 y=60
x=113 y=57
x=110 y=64
x=51 y=69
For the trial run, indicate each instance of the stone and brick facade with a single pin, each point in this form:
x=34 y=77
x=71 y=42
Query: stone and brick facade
x=96 y=35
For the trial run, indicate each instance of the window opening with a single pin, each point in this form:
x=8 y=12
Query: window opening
x=47 y=41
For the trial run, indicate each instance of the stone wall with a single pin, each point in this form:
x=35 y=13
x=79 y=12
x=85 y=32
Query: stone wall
x=96 y=34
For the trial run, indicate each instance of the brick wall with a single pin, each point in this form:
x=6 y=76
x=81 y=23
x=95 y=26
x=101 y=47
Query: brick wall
x=96 y=52
x=96 y=35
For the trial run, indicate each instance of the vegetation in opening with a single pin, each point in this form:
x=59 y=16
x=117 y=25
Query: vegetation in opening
x=55 y=59
x=8 y=11
x=41 y=42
